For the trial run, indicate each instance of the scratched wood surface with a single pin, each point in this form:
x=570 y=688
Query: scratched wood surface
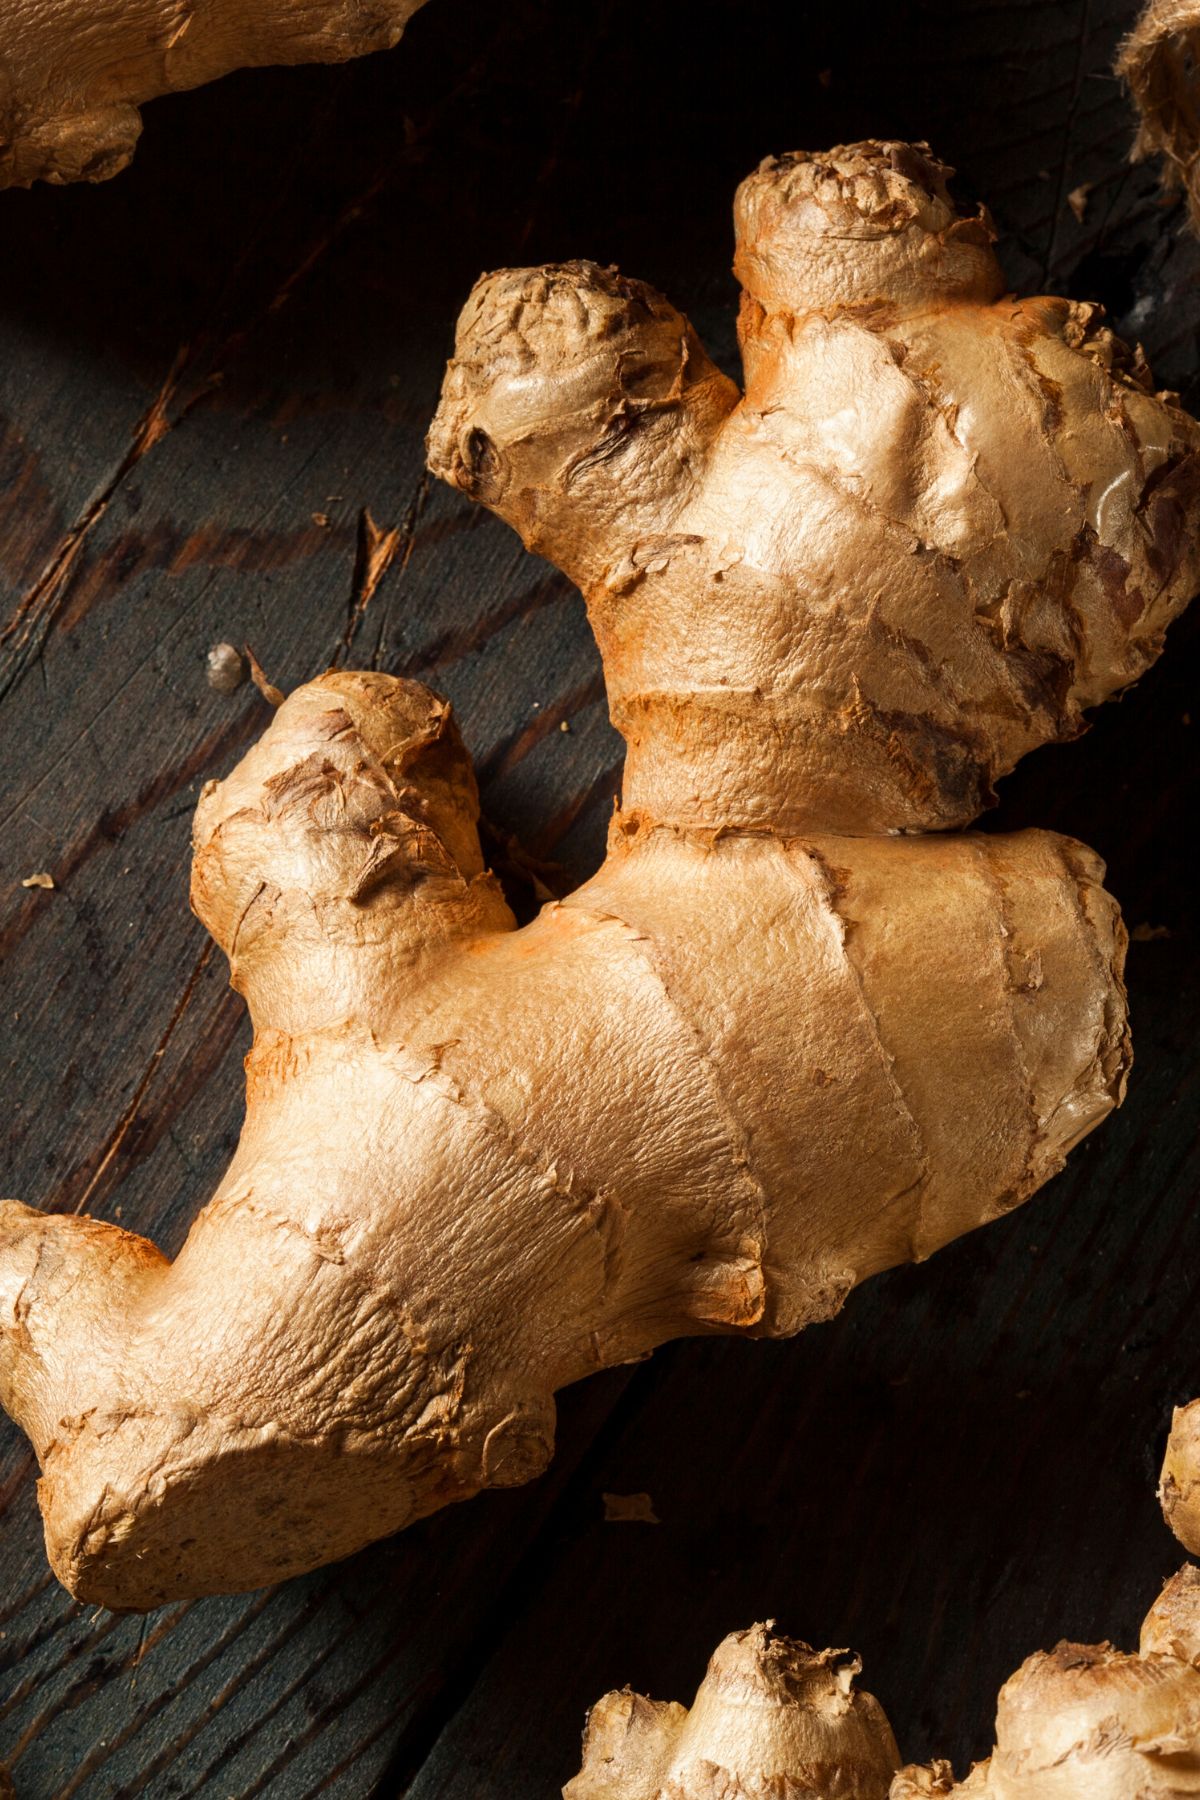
x=211 y=371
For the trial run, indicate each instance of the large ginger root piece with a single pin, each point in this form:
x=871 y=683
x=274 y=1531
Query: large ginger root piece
x=1160 y=59
x=939 y=524
x=1087 y=1722
x=72 y=79
x=775 y=1045
x=771 y=1718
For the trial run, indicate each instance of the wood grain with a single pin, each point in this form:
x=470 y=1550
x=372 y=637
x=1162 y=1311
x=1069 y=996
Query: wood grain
x=211 y=371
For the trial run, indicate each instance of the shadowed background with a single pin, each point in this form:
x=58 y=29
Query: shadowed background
x=215 y=373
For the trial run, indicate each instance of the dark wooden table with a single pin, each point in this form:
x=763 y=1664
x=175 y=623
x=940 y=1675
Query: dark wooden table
x=210 y=371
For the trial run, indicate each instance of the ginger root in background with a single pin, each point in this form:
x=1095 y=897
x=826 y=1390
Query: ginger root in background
x=1179 y=1487
x=795 y=1031
x=772 y=1717
x=71 y=82
x=1160 y=59
x=1087 y=1722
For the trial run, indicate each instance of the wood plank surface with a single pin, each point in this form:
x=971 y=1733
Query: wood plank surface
x=213 y=371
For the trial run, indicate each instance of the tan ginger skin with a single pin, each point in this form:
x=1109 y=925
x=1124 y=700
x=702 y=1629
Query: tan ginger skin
x=1160 y=60
x=1179 y=1486
x=1087 y=1722
x=71 y=84
x=774 y=1720
x=782 y=1040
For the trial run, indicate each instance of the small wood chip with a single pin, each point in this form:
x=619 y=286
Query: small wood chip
x=376 y=548
x=321 y=519
x=629 y=1509
x=1149 y=934
x=563 y=725
x=1077 y=199
x=270 y=693
x=42 y=879
x=226 y=669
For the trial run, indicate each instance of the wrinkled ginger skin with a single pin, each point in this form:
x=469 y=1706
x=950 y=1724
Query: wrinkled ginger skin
x=1159 y=60
x=1087 y=1722
x=479 y=1163
x=774 y=1720
x=1179 y=1484
x=773 y=1046
x=771 y=1717
x=72 y=81
x=937 y=526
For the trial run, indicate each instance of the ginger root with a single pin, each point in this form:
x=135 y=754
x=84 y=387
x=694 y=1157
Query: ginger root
x=1160 y=59
x=71 y=87
x=771 y=1717
x=781 y=1041
x=1179 y=1485
x=938 y=525
x=1087 y=1722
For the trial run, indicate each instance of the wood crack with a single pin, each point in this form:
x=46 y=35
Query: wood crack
x=121 y=1130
